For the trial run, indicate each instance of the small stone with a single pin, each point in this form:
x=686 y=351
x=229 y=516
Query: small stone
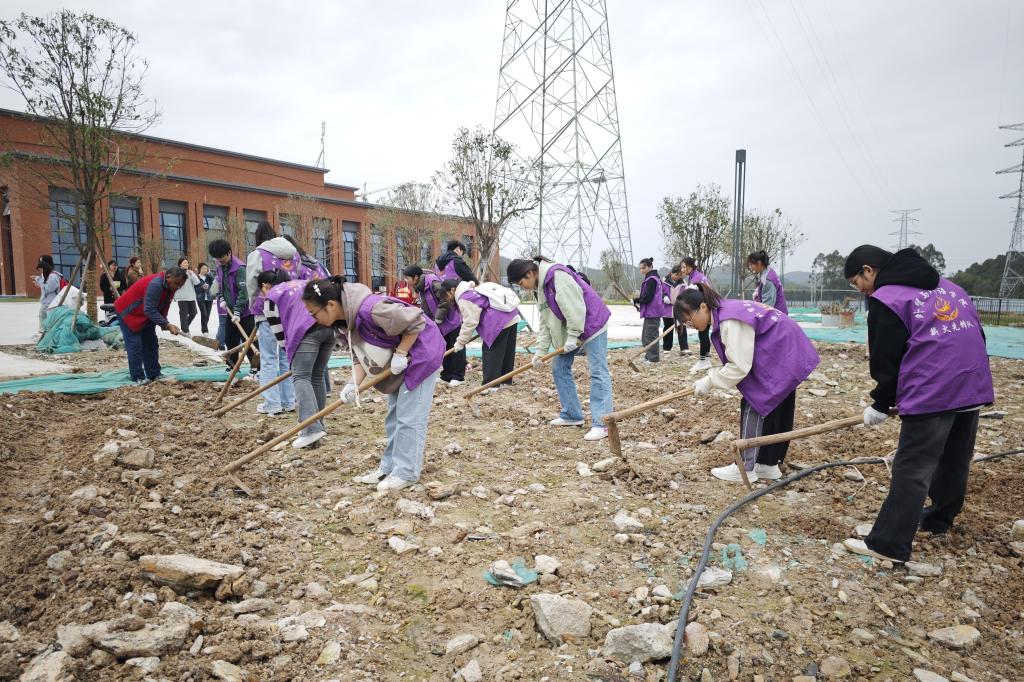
x=643 y=643
x=853 y=475
x=625 y=523
x=604 y=465
x=413 y=508
x=139 y=458
x=697 y=640
x=733 y=666
x=228 y=672
x=662 y=591
x=818 y=392
x=330 y=654
x=471 y=672
x=59 y=560
x=252 y=606
x=636 y=669
x=835 y=668
x=49 y=666
x=294 y=633
x=559 y=618
x=9 y=633
x=960 y=677
x=923 y=570
x=187 y=572
x=149 y=664
x=713 y=577
x=1018 y=528
x=151 y=640
x=85 y=493
x=544 y=564
x=583 y=470
x=481 y=492
x=400 y=546
x=863 y=529
x=862 y=636
x=621 y=538
x=956 y=637
x=1017 y=548
x=461 y=644
x=453 y=449
x=723 y=437
x=923 y=675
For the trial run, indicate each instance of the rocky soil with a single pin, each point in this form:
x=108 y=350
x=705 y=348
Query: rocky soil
x=125 y=555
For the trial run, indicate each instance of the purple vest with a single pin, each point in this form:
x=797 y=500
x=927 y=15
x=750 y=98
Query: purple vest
x=696 y=277
x=222 y=309
x=426 y=354
x=449 y=271
x=295 y=318
x=293 y=266
x=454 y=319
x=783 y=355
x=945 y=366
x=597 y=312
x=228 y=285
x=780 y=297
x=656 y=308
x=491 y=321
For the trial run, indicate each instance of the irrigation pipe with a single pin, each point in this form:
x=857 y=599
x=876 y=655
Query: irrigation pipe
x=691 y=589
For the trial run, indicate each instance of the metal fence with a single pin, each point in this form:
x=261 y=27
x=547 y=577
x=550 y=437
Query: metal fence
x=812 y=298
x=1000 y=311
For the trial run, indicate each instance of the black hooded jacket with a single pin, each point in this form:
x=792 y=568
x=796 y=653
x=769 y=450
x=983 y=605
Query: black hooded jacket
x=464 y=272
x=650 y=288
x=887 y=335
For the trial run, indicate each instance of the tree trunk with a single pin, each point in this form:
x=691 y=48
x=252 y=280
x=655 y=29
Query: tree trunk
x=89 y=275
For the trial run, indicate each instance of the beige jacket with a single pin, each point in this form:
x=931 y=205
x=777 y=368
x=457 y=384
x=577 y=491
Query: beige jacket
x=471 y=313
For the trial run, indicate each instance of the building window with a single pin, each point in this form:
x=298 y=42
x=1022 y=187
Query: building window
x=427 y=253
x=378 y=259
x=124 y=227
x=63 y=215
x=252 y=220
x=289 y=225
x=215 y=222
x=322 y=241
x=350 y=231
x=401 y=246
x=172 y=231
x=471 y=252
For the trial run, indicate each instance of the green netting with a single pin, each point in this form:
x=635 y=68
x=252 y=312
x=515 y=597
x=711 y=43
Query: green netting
x=59 y=338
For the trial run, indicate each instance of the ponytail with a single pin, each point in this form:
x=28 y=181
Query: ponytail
x=689 y=300
x=323 y=291
x=649 y=262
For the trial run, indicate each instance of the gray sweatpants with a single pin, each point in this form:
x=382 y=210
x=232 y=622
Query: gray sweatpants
x=652 y=327
x=309 y=367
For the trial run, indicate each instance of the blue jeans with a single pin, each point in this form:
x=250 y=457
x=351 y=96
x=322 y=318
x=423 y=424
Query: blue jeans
x=274 y=363
x=406 y=428
x=600 y=382
x=143 y=351
x=222 y=328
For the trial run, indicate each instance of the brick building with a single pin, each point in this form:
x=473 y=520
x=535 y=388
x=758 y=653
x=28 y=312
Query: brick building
x=180 y=196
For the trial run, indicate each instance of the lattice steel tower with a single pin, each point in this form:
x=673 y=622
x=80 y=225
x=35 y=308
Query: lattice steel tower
x=903 y=234
x=556 y=101
x=1013 y=272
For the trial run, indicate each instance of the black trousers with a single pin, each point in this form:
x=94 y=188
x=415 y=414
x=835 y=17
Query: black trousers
x=753 y=425
x=204 y=314
x=232 y=337
x=666 y=342
x=684 y=343
x=500 y=358
x=933 y=460
x=186 y=313
x=705 y=342
x=454 y=366
x=648 y=333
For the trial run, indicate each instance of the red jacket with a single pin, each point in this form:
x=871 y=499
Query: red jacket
x=131 y=306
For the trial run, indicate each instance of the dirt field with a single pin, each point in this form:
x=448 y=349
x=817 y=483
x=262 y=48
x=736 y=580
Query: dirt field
x=327 y=597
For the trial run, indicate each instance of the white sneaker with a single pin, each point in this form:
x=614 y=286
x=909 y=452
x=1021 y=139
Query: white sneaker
x=393 y=483
x=492 y=389
x=262 y=409
x=858 y=546
x=702 y=365
x=558 y=421
x=371 y=478
x=686 y=352
x=455 y=382
x=596 y=433
x=732 y=473
x=306 y=441
x=770 y=472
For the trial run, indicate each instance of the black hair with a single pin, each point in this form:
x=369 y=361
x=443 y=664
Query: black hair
x=291 y=240
x=689 y=262
x=649 y=262
x=758 y=257
x=175 y=272
x=219 y=248
x=264 y=231
x=275 y=276
x=521 y=267
x=201 y=266
x=866 y=254
x=322 y=291
x=46 y=265
x=182 y=260
x=689 y=300
x=112 y=261
x=450 y=284
x=413 y=271
x=133 y=260
x=455 y=244
x=677 y=270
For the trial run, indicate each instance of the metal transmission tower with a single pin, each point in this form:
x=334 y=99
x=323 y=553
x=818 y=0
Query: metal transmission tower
x=1013 y=271
x=904 y=220
x=556 y=101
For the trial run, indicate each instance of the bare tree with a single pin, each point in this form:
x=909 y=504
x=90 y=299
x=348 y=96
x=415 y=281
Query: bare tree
x=297 y=214
x=770 y=232
x=615 y=270
x=80 y=75
x=411 y=214
x=696 y=226
x=489 y=183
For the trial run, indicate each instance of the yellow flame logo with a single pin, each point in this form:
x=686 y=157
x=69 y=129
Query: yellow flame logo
x=945 y=311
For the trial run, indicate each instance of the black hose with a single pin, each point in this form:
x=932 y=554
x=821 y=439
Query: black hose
x=684 y=609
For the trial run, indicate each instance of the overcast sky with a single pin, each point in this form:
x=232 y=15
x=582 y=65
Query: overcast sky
x=847 y=109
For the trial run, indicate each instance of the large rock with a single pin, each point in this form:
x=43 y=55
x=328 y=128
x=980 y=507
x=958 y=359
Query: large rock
x=77 y=639
x=923 y=570
x=139 y=458
x=460 y=644
x=835 y=668
x=330 y=654
x=645 y=642
x=471 y=672
x=559 y=618
x=956 y=637
x=49 y=666
x=228 y=672
x=712 y=577
x=183 y=571
x=152 y=640
x=9 y=633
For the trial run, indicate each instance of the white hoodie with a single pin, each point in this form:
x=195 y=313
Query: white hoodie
x=280 y=247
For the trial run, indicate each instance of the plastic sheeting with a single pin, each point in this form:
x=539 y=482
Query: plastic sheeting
x=59 y=338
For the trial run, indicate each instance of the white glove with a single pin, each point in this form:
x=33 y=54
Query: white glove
x=536 y=361
x=399 y=363
x=666 y=300
x=571 y=345
x=702 y=387
x=873 y=417
x=459 y=347
x=349 y=393
x=235 y=318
